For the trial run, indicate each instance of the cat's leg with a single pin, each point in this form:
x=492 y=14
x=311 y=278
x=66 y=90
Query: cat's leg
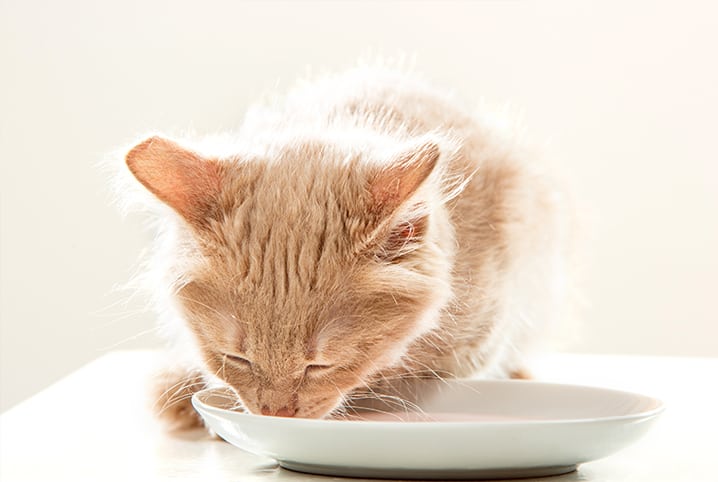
x=172 y=392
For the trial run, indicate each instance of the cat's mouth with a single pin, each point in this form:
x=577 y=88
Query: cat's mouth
x=324 y=408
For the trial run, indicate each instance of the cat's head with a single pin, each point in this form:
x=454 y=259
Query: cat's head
x=306 y=272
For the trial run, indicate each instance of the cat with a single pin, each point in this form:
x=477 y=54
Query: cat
x=365 y=229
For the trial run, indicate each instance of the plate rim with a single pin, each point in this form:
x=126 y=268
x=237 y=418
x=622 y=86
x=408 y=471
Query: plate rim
x=646 y=414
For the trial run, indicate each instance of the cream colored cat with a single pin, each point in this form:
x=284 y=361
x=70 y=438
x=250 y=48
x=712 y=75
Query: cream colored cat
x=368 y=230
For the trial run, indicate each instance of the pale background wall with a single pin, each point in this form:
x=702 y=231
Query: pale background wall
x=625 y=93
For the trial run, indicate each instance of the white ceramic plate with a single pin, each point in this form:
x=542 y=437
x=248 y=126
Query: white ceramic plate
x=485 y=429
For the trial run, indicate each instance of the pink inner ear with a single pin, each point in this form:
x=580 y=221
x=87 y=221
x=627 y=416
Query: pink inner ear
x=403 y=237
x=395 y=184
x=179 y=177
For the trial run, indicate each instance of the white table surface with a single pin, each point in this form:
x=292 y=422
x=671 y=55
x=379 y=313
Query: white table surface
x=95 y=425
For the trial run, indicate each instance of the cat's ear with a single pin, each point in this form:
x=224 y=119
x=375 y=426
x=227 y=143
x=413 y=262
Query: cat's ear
x=402 y=194
x=179 y=177
x=394 y=184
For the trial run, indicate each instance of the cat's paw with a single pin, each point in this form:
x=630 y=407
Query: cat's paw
x=520 y=374
x=172 y=395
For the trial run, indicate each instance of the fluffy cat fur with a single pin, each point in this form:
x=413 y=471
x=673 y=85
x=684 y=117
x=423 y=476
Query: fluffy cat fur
x=365 y=230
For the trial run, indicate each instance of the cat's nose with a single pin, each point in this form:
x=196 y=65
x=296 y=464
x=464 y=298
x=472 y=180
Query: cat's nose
x=282 y=412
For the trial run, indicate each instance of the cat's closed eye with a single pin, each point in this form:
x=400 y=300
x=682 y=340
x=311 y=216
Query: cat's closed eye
x=238 y=360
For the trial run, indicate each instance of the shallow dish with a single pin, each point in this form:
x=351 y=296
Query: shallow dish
x=469 y=429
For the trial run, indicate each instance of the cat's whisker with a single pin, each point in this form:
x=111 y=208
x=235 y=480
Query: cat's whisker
x=178 y=395
x=379 y=411
x=405 y=404
x=433 y=372
x=117 y=316
x=179 y=387
x=163 y=397
x=390 y=400
x=130 y=338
